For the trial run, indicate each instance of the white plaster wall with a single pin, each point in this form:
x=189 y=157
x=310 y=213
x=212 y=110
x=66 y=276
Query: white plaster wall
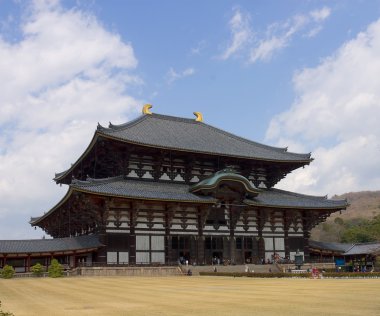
x=158 y=257
x=158 y=243
x=123 y=257
x=111 y=257
x=142 y=242
x=279 y=244
x=268 y=241
x=142 y=257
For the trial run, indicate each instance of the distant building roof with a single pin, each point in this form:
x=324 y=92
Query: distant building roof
x=189 y=135
x=364 y=249
x=330 y=246
x=31 y=246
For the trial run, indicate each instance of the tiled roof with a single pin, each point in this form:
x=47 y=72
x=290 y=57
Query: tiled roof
x=332 y=246
x=189 y=135
x=118 y=186
x=167 y=191
x=281 y=198
x=362 y=249
x=49 y=245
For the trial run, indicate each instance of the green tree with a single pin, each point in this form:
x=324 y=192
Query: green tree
x=360 y=230
x=356 y=235
x=8 y=272
x=37 y=269
x=55 y=269
x=339 y=221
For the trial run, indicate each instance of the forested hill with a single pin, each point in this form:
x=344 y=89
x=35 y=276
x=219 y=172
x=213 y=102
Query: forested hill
x=359 y=223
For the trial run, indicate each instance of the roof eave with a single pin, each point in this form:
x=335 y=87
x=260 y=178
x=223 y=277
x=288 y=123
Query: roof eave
x=303 y=162
x=60 y=176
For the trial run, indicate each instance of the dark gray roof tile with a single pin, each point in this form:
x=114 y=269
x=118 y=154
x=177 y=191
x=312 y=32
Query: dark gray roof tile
x=49 y=245
x=139 y=189
x=331 y=246
x=170 y=132
x=362 y=249
x=281 y=198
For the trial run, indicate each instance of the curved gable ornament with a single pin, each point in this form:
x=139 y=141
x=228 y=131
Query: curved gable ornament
x=146 y=109
x=198 y=116
x=212 y=183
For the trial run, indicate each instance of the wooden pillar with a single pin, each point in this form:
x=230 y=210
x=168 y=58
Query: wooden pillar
x=307 y=225
x=260 y=226
x=103 y=211
x=200 y=249
x=28 y=263
x=202 y=215
x=169 y=213
x=287 y=221
x=193 y=249
x=132 y=234
x=232 y=236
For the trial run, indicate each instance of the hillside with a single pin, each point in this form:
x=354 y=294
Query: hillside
x=365 y=205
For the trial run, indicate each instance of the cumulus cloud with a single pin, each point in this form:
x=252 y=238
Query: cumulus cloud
x=64 y=74
x=262 y=46
x=336 y=115
x=173 y=75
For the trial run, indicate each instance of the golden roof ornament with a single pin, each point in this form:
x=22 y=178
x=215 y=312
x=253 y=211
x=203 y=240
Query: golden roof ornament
x=199 y=116
x=145 y=109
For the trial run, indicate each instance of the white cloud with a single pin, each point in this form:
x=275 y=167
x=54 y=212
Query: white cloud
x=279 y=35
x=321 y=14
x=66 y=73
x=262 y=46
x=197 y=50
x=336 y=114
x=241 y=33
x=173 y=75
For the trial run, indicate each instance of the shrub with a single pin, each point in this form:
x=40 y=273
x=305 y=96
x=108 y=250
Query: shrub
x=294 y=275
x=258 y=275
x=37 y=269
x=4 y=313
x=8 y=272
x=55 y=269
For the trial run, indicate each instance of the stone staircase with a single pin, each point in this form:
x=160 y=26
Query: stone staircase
x=231 y=268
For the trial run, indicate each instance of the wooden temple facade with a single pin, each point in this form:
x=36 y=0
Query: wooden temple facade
x=160 y=188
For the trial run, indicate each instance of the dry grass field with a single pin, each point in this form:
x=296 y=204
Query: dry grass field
x=189 y=296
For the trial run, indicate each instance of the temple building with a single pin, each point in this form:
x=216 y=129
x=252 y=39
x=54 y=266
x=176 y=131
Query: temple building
x=161 y=188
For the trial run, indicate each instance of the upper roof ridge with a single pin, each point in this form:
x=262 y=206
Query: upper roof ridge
x=118 y=127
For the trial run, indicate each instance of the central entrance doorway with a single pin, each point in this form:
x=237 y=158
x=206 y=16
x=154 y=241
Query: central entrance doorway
x=214 y=253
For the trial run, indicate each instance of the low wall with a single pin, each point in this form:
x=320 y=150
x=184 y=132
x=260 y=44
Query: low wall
x=305 y=266
x=129 y=271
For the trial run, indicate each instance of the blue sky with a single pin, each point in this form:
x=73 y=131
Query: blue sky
x=302 y=74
